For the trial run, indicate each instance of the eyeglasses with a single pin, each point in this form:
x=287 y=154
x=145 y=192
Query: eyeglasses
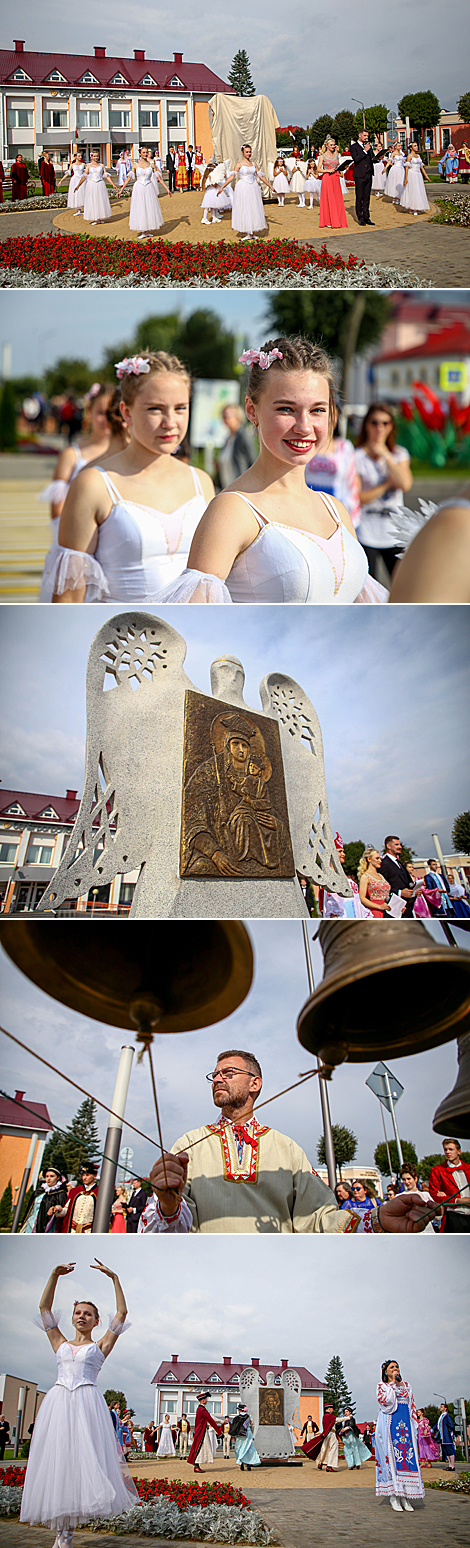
x=380 y=422
x=226 y=1074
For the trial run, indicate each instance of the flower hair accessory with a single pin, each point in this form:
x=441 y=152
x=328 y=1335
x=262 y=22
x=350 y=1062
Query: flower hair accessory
x=257 y=357
x=93 y=391
x=133 y=365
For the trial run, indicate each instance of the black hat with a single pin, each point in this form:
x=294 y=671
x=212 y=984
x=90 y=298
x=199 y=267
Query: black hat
x=90 y=1166
x=204 y=1394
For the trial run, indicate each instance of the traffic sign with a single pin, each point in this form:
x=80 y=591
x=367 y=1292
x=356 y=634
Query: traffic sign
x=453 y=375
x=378 y=1085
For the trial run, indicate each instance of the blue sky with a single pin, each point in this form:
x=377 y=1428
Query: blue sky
x=206 y=1297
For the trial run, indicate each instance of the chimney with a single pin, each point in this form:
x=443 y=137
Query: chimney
x=19 y=47
x=255 y=1362
x=178 y=58
x=139 y=53
x=100 y=53
x=19 y=1096
x=227 y=1359
x=71 y=795
x=174 y=1359
x=284 y=1365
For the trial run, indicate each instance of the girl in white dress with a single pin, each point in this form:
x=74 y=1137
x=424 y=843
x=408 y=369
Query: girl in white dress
x=268 y=537
x=96 y=205
x=280 y=180
x=126 y=529
x=75 y=1471
x=312 y=182
x=121 y=169
x=165 y=1444
x=214 y=202
x=75 y=199
x=92 y=443
x=145 y=214
x=395 y=174
x=414 y=196
x=247 y=209
x=379 y=178
x=297 y=183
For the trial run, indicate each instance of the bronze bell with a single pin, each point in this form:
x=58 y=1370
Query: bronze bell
x=453 y=1115
x=387 y=989
x=174 y=976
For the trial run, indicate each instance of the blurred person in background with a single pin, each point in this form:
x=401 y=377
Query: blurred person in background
x=239 y=450
x=384 y=474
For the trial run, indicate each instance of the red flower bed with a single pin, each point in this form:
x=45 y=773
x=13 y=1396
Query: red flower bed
x=173 y=261
x=12 y=1475
x=184 y=1494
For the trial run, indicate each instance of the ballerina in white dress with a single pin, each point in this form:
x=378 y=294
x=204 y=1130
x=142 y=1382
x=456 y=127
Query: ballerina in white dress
x=281 y=183
x=75 y=172
x=93 y=443
x=126 y=529
x=165 y=1444
x=145 y=214
x=379 y=178
x=268 y=537
x=247 y=209
x=75 y=1470
x=414 y=196
x=395 y=174
x=96 y=203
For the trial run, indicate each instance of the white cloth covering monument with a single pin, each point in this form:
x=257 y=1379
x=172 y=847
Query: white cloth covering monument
x=220 y=808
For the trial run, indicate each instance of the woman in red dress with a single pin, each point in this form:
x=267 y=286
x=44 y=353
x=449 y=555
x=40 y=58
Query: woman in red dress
x=374 y=890
x=332 y=211
x=19 y=179
x=2 y=175
x=47 y=175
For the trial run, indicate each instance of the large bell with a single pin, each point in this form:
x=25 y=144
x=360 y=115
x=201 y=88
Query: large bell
x=387 y=989
x=176 y=977
x=453 y=1115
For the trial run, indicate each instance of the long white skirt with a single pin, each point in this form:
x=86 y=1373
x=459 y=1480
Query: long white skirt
x=165 y=1444
x=395 y=180
x=76 y=195
x=414 y=196
x=145 y=213
x=378 y=180
x=97 y=205
x=248 y=213
x=73 y=1472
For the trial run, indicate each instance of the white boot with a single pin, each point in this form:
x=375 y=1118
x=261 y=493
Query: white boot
x=406 y=1505
x=205 y=220
x=395 y=1503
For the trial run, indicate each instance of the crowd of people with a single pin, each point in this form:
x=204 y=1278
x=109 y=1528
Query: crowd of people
x=387 y=888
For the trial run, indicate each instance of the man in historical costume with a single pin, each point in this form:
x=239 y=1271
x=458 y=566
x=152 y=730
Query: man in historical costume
x=183 y=1436
x=199 y=167
x=398 y=1473
x=228 y=818
x=51 y=1193
x=309 y=1429
x=364 y=159
x=401 y=880
x=325 y=1444
x=446 y=1432
x=190 y=165
x=333 y=907
x=201 y=1449
x=78 y=1214
x=239 y=1175
x=444 y=1180
x=19 y=178
x=182 y=179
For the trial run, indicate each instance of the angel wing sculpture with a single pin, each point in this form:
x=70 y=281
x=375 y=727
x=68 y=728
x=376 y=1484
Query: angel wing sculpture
x=216 y=811
x=272 y=1405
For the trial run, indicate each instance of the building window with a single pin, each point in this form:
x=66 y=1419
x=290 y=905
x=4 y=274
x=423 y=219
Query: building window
x=175 y=81
x=7 y=853
x=88 y=79
x=395 y=378
x=56 y=76
x=147 y=80
x=169 y=1405
x=20 y=75
x=39 y=854
x=88 y=118
x=48 y=812
x=20 y=118
x=119 y=80
x=176 y=119
x=148 y=118
x=55 y=118
x=127 y=892
x=120 y=119
x=15 y=810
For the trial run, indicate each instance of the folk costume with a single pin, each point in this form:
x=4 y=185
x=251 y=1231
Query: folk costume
x=39 y=1220
x=199 y=167
x=75 y=1468
x=446 y=1432
x=245 y=1450
x=449 y=165
x=446 y=1179
x=428 y=1450
x=182 y=179
x=396 y=1443
x=325 y=1444
x=80 y=1211
x=248 y=1177
x=355 y=1452
x=201 y=1450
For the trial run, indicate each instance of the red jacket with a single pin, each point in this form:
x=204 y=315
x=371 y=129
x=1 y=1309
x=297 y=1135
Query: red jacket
x=203 y=1419
x=442 y=1181
x=312 y=1448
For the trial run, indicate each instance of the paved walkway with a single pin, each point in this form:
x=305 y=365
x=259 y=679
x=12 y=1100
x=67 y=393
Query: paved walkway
x=316 y=1519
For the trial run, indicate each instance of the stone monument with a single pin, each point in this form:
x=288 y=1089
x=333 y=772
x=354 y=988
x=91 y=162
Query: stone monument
x=219 y=807
x=272 y=1408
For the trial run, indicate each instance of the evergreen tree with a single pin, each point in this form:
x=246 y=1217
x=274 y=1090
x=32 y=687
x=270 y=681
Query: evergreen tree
x=352 y=855
x=240 y=75
x=7 y=417
x=320 y=129
x=6 y=1207
x=464 y=107
x=337 y=1391
x=345 y=1146
x=53 y=1152
x=461 y=833
x=27 y=1202
x=381 y=1157
x=80 y=1141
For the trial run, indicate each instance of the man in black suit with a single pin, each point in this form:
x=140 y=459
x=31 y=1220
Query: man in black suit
x=136 y=1204
x=171 y=169
x=400 y=879
x=190 y=163
x=363 y=172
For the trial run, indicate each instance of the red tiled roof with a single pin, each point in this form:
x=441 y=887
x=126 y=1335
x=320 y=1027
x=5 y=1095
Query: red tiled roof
x=194 y=77
x=450 y=341
x=12 y=1116
x=203 y=1370
x=34 y=805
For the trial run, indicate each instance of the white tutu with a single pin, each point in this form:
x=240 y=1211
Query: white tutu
x=395 y=179
x=76 y=196
x=247 y=212
x=378 y=180
x=281 y=183
x=297 y=181
x=74 y=1469
x=165 y=1444
x=214 y=201
x=313 y=185
x=97 y=205
x=145 y=213
x=414 y=196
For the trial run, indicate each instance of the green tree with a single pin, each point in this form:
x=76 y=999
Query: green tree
x=432 y=1413
x=428 y=1162
x=80 y=1140
x=337 y=1391
x=381 y=1157
x=67 y=376
x=239 y=75
x=461 y=833
x=319 y=130
x=406 y=854
x=27 y=1202
x=352 y=855
x=6 y=1207
x=152 y=333
x=25 y=386
x=8 y=437
x=376 y=119
x=422 y=108
x=345 y=322
x=53 y=1153
x=111 y=1397
x=464 y=107
x=345 y=1146
x=205 y=345
x=343 y=127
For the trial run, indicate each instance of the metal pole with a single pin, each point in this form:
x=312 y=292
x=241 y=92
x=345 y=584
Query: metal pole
x=440 y=856
x=324 y=1099
x=112 y=1144
x=386 y=1142
x=24 y=1183
x=19 y=1420
x=394 y=1121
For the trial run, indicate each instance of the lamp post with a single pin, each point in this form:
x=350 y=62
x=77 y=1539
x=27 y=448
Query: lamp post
x=112 y=1143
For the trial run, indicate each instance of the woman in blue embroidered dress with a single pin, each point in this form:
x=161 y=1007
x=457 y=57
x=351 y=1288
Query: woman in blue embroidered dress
x=398 y=1473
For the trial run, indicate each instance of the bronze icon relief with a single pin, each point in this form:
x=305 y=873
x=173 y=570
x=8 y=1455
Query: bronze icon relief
x=271 y=1405
x=234 y=809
